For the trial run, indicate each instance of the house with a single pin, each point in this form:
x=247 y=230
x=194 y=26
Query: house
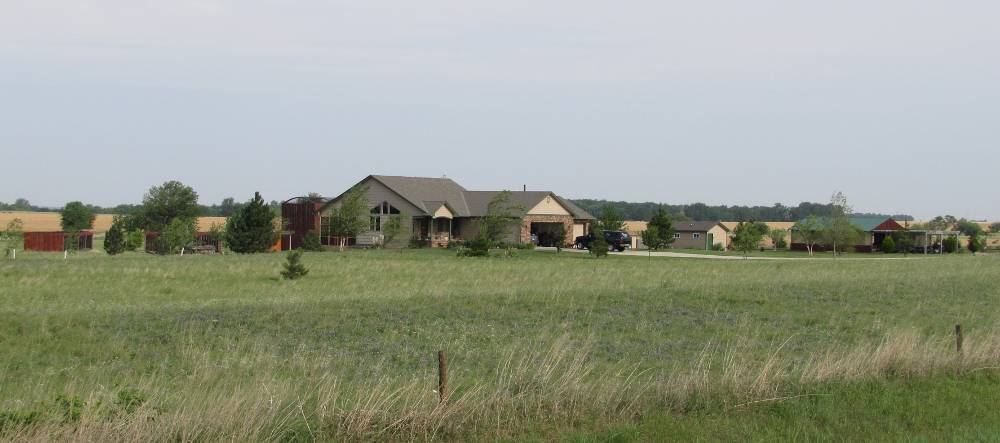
x=700 y=235
x=875 y=230
x=435 y=211
x=687 y=234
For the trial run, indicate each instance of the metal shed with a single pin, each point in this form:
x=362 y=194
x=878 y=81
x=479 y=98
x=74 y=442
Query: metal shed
x=56 y=241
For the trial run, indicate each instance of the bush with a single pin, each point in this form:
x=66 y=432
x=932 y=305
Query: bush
x=178 y=234
x=976 y=243
x=310 y=242
x=293 y=266
x=135 y=239
x=417 y=243
x=599 y=247
x=719 y=247
x=949 y=245
x=479 y=246
x=888 y=245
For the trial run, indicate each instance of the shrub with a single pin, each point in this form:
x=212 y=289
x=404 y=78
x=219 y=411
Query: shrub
x=479 y=246
x=976 y=243
x=888 y=245
x=10 y=420
x=129 y=400
x=599 y=247
x=719 y=247
x=71 y=407
x=178 y=234
x=293 y=266
x=417 y=243
x=310 y=242
x=949 y=245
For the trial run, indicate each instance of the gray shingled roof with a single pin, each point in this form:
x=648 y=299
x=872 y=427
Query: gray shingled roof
x=420 y=190
x=694 y=226
x=428 y=194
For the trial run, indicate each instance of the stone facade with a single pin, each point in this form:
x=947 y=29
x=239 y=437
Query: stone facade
x=566 y=220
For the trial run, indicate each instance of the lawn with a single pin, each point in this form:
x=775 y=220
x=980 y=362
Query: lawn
x=540 y=346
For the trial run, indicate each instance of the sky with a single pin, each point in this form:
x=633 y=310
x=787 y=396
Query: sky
x=896 y=103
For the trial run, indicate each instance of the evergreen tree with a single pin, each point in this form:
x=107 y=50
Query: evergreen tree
x=558 y=234
x=659 y=231
x=251 y=229
x=114 y=240
x=598 y=247
x=293 y=267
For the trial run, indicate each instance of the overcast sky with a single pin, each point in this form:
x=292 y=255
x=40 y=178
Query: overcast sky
x=894 y=102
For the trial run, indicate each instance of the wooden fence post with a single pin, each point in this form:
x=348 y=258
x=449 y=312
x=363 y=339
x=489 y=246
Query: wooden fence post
x=958 y=339
x=442 y=377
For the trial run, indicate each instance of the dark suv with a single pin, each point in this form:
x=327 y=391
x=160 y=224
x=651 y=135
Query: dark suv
x=617 y=240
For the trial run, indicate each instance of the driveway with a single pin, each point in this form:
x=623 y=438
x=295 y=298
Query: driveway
x=730 y=257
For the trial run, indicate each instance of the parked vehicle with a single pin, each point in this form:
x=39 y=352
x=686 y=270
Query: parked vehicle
x=617 y=240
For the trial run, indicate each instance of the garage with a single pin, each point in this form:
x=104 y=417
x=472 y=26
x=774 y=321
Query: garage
x=545 y=232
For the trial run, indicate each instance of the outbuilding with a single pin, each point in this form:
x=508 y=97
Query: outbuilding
x=56 y=241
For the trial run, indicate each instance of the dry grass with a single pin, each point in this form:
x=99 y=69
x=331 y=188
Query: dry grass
x=545 y=387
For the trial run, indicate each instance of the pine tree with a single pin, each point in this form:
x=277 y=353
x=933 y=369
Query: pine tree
x=251 y=229
x=293 y=266
x=114 y=240
x=598 y=247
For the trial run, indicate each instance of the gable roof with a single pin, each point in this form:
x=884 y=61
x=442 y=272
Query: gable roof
x=428 y=194
x=696 y=226
x=479 y=201
x=422 y=190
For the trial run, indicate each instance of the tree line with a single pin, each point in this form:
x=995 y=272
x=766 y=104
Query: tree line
x=227 y=207
x=702 y=212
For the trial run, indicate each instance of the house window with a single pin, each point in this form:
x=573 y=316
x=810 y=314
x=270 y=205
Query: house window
x=376 y=223
x=384 y=208
x=696 y=235
x=677 y=235
x=324 y=226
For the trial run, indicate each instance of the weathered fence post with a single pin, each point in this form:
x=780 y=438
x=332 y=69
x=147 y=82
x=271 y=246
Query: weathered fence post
x=958 y=339
x=442 y=377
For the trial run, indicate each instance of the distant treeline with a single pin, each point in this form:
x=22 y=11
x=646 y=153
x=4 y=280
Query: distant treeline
x=703 y=212
x=228 y=207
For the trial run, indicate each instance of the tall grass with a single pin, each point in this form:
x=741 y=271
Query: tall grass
x=218 y=348
x=553 y=387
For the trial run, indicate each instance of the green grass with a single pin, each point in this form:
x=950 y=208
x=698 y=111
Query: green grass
x=205 y=339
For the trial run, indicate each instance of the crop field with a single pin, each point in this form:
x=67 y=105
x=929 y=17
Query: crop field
x=540 y=346
x=50 y=221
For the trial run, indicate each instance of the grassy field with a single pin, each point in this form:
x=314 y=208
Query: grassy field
x=540 y=346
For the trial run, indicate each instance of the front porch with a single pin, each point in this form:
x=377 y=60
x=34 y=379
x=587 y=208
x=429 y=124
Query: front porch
x=435 y=232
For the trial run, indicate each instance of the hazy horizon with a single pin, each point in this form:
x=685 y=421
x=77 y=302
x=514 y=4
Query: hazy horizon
x=894 y=103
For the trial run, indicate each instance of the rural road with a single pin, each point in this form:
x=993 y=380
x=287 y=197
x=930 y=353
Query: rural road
x=730 y=257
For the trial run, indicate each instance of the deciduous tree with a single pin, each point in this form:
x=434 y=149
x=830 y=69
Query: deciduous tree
x=164 y=203
x=611 y=218
x=349 y=216
x=747 y=236
x=809 y=232
x=76 y=216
